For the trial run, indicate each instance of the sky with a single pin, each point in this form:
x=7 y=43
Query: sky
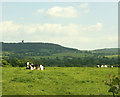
x=81 y=25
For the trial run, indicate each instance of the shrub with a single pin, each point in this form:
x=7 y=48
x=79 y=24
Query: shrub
x=114 y=84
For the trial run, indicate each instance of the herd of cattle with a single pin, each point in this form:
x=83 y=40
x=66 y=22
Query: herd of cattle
x=99 y=66
x=41 y=67
x=34 y=67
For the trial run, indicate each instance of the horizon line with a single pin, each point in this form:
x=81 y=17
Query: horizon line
x=62 y=45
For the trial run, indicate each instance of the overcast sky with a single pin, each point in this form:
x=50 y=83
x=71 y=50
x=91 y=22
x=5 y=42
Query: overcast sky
x=77 y=25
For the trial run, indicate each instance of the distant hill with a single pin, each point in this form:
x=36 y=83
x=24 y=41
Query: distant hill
x=51 y=54
x=36 y=48
x=108 y=51
x=50 y=49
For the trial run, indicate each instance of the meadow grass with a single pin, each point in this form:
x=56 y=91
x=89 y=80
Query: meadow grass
x=56 y=81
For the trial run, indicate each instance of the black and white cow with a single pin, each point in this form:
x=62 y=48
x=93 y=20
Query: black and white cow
x=99 y=66
x=33 y=66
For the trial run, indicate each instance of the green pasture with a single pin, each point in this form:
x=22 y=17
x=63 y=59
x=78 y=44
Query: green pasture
x=111 y=56
x=56 y=81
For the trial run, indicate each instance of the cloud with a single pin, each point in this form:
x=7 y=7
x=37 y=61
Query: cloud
x=71 y=35
x=96 y=27
x=10 y=27
x=39 y=11
x=56 y=33
x=9 y=30
x=29 y=29
x=85 y=5
x=63 y=12
x=70 y=29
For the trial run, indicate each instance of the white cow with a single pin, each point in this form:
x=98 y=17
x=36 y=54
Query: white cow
x=105 y=66
x=42 y=68
x=111 y=66
x=98 y=66
x=34 y=67
x=102 y=65
x=28 y=65
x=31 y=68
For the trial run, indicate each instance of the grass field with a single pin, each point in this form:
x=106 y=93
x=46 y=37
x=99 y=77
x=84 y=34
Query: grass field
x=56 y=81
x=112 y=56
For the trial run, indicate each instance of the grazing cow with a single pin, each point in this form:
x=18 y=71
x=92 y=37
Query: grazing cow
x=102 y=65
x=98 y=66
x=28 y=65
x=111 y=66
x=105 y=66
x=33 y=67
x=41 y=67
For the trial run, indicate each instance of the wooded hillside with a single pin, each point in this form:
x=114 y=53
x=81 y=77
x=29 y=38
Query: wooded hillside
x=57 y=55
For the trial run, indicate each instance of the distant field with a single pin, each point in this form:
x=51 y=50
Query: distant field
x=56 y=81
x=111 y=56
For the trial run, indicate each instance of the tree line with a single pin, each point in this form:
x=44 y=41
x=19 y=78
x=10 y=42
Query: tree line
x=65 y=62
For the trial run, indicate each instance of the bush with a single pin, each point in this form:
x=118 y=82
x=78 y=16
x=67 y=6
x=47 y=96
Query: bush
x=114 y=84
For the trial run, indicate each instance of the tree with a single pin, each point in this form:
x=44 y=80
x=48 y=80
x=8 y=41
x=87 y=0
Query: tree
x=15 y=62
x=5 y=63
x=114 y=84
